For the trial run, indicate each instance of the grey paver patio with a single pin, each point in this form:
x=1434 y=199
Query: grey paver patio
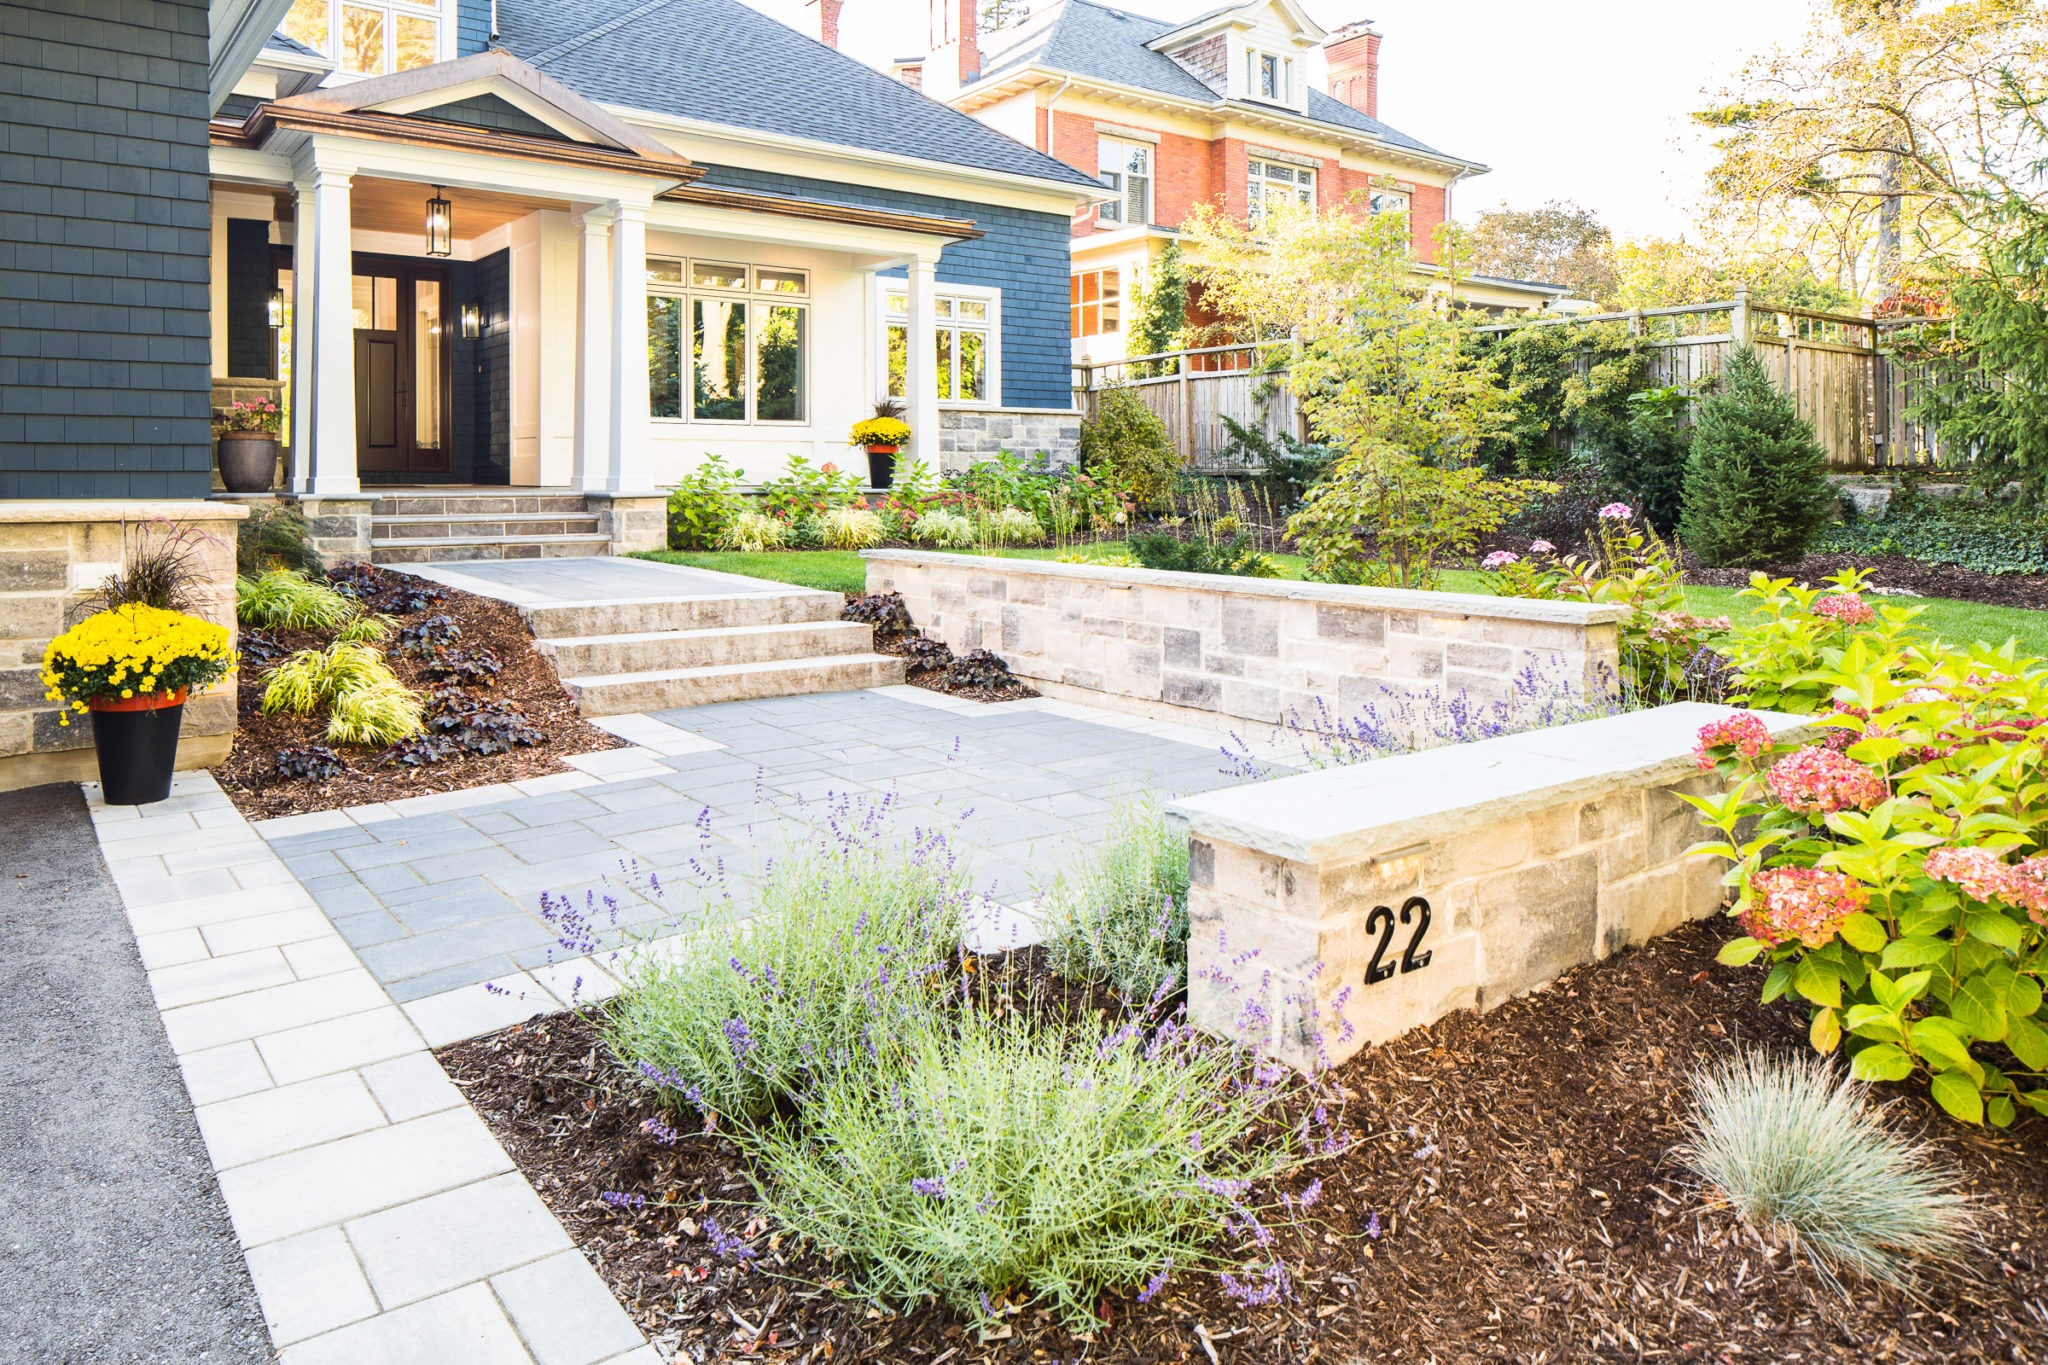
x=446 y=898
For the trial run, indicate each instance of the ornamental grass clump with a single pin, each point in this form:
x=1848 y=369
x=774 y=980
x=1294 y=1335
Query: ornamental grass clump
x=1795 y=1147
x=365 y=701
x=280 y=599
x=1004 y=1157
x=944 y=529
x=1121 y=917
x=843 y=948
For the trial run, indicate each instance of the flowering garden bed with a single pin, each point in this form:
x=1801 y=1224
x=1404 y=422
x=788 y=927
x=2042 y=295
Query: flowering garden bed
x=1510 y=1195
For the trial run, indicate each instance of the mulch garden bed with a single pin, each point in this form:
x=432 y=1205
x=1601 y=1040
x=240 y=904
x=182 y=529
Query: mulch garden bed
x=250 y=776
x=930 y=664
x=1511 y=1196
x=1898 y=571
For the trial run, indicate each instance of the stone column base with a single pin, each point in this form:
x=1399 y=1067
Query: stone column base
x=340 y=526
x=634 y=521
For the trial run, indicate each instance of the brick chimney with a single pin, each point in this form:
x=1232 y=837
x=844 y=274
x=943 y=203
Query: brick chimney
x=821 y=20
x=955 y=61
x=1353 y=52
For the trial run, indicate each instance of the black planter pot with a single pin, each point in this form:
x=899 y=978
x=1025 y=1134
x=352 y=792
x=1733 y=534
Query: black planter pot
x=138 y=751
x=881 y=466
x=248 y=461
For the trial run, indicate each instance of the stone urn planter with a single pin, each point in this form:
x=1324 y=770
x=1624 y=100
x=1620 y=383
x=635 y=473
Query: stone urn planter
x=247 y=460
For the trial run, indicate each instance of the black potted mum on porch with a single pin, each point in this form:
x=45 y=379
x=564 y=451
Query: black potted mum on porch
x=131 y=668
x=881 y=436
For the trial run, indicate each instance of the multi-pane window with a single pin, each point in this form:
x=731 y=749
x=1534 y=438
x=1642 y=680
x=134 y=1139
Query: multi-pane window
x=1094 y=302
x=964 y=345
x=1389 y=201
x=368 y=37
x=1126 y=167
x=1270 y=77
x=1272 y=184
x=738 y=335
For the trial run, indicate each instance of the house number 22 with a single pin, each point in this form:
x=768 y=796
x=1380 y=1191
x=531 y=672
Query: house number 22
x=1415 y=910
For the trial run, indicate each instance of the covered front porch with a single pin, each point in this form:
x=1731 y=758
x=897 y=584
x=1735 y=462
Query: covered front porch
x=467 y=276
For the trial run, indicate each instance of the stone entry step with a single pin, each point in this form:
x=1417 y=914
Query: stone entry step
x=582 y=620
x=485 y=525
x=464 y=503
x=386 y=549
x=616 y=694
x=664 y=650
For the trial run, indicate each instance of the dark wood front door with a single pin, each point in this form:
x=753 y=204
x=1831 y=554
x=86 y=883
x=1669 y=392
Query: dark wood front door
x=402 y=407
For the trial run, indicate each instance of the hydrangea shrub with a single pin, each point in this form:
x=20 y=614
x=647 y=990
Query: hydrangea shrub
x=1893 y=871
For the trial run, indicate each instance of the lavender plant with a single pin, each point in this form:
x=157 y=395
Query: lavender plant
x=1538 y=698
x=843 y=949
x=1001 y=1156
x=1121 y=917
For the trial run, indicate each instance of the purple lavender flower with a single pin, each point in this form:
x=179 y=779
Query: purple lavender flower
x=739 y=1036
x=728 y=1245
x=930 y=1186
x=1312 y=1193
x=1156 y=1283
x=1372 y=1227
x=620 y=1199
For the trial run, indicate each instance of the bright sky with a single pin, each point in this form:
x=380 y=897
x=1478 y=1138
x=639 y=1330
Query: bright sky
x=1585 y=99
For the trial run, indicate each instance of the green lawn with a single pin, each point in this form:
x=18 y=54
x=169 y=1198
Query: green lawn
x=842 y=570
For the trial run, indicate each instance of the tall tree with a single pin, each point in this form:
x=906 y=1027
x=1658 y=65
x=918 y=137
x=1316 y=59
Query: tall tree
x=1559 y=242
x=1860 y=147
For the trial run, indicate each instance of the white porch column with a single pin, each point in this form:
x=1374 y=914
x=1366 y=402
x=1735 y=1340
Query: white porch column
x=631 y=464
x=333 y=372
x=920 y=369
x=593 y=352
x=304 y=235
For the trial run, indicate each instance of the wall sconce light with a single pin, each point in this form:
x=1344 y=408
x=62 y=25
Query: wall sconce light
x=440 y=225
x=472 y=319
x=274 y=308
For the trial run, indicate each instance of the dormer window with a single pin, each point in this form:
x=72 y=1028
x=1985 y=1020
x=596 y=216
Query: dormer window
x=1270 y=77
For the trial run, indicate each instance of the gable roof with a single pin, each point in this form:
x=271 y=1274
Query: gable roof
x=1095 y=41
x=722 y=62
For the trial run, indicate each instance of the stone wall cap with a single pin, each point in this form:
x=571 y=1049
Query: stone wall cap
x=1336 y=594
x=43 y=511
x=1353 y=812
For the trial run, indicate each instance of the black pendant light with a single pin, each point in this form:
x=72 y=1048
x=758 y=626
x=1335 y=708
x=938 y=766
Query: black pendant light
x=440 y=225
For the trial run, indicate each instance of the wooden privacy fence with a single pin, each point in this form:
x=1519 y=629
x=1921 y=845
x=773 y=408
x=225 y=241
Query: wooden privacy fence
x=1835 y=365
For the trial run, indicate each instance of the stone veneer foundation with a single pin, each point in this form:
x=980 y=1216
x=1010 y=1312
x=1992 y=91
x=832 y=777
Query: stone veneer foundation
x=53 y=555
x=1247 y=647
x=1524 y=855
x=970 y=435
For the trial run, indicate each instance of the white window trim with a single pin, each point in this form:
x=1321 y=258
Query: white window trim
x=1103 y=135
x=689 y=293
x=1255 y=177
x=447 y=17
x=992 y=352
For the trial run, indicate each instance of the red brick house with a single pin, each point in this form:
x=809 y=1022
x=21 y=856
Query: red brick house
x=1222 y=109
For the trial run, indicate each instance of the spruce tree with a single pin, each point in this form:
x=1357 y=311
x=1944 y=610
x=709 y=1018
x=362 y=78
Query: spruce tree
x=1756 y=486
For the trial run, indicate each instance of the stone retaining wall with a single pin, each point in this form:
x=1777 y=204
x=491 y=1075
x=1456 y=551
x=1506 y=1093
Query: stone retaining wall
x=969 y=435
x=53 y=555
x=1523 y=856
x=1253 y=648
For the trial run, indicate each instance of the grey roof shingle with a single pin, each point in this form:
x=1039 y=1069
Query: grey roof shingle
x=284 y=42
x=719 y=61
x=1109 y=44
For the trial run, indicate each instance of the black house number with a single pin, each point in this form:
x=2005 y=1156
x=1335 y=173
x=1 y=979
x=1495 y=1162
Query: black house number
x=1415 y=910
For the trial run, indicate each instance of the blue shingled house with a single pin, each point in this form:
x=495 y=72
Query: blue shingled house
x=572 y=244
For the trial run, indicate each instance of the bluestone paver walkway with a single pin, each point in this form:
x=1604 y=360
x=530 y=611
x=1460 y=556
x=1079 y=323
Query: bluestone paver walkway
x=448 y=896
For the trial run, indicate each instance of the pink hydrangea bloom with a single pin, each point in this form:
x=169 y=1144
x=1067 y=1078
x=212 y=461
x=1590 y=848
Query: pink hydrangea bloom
x=1806 y=903
x=1846 y=608
x=1616 y=511
x=1925 y=694
x=2026 y=885
x=1982 y=874
x=1542 y=547
x=1819 y=781
x=1746 y=732
x=1500 y=559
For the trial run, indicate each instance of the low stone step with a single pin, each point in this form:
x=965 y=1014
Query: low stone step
x=455 y=549
x=649 y=651
x=659 y=690
x=411 y=503
x=483 y=526
x=574 y=620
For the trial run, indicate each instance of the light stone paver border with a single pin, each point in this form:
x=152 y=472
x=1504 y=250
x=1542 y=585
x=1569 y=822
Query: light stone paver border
x=381 y=1220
